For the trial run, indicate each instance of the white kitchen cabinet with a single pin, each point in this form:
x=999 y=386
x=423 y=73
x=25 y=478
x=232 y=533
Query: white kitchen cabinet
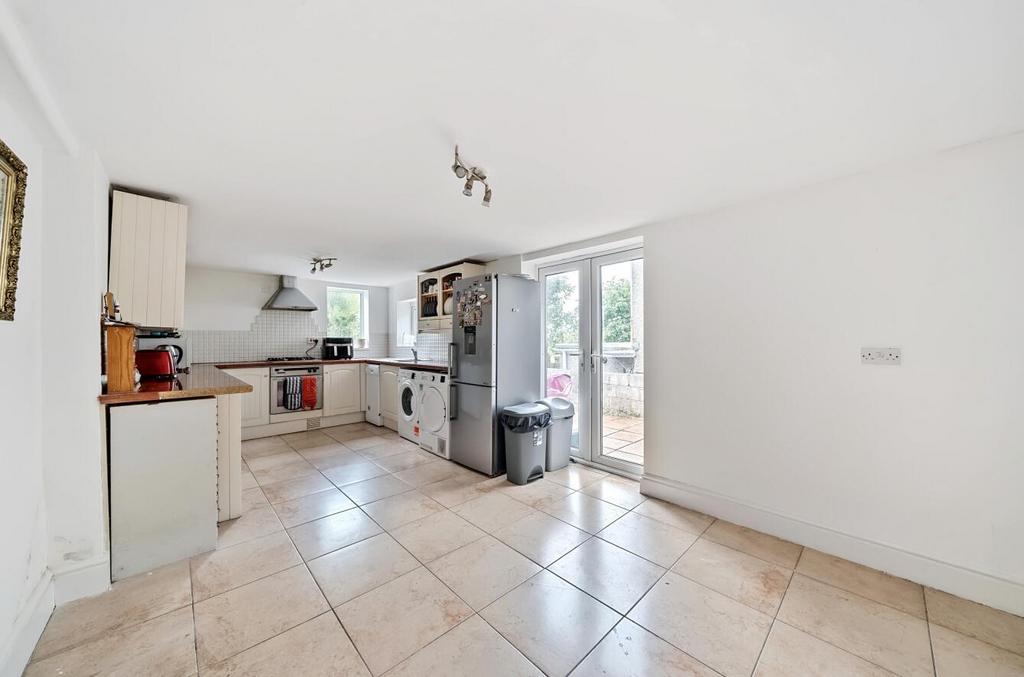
x=343 y=392
x=435 y=292
x=163 y=483
x=430 y=325
x=229 y=456
x=147 y=259
x=256 y=404
x=389 y=394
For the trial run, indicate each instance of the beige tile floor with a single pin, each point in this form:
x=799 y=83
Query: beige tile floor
x=347 y=563
x=623 y=438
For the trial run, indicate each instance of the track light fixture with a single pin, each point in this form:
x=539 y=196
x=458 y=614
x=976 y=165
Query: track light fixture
x=471 y=174
x=321 y=263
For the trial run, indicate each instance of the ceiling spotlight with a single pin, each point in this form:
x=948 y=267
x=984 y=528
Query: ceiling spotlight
x=321 y=263
x=471 y=174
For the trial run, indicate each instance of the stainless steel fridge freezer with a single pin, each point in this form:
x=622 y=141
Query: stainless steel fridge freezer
x=494 y=361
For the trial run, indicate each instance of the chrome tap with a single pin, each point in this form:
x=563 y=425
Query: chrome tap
x=415 y=355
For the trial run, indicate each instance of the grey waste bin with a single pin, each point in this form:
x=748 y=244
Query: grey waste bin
x=560 y=432
x=526 y=427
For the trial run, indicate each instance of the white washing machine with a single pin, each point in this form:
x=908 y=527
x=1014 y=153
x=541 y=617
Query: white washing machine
x=433 y=413
x=408 y=404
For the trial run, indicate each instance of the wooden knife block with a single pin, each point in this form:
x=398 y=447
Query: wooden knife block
x=120 y=359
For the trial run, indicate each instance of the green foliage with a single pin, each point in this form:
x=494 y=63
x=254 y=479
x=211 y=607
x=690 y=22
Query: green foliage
x=616 y=297
x=562 y=308
x=344 y=313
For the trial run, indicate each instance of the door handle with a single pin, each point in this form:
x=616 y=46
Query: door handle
x=594 y=362
x=453 y=402
x=453 y=365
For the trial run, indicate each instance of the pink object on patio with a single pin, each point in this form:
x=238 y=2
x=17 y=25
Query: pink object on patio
x=559 y=384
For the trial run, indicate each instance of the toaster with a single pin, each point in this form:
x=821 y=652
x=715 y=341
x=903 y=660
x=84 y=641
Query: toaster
x=155 y=363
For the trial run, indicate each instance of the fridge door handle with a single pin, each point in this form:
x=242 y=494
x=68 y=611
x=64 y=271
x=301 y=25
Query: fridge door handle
x=453 y=402
x=453 y=364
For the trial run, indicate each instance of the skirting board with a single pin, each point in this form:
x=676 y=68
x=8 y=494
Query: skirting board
x=342 y=419
x=83 y=579
x=28 y=627
x=271 y=429
x=990 y=590
x=299 y=425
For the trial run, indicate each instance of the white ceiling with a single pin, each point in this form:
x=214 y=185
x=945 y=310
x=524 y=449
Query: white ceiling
x=302 y=127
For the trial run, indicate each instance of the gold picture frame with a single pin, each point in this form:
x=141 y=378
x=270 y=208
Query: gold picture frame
x=13 y=177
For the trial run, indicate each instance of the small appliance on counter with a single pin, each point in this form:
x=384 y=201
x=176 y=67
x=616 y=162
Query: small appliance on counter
x=177 y=345
x=338 y=348
x=156 y=363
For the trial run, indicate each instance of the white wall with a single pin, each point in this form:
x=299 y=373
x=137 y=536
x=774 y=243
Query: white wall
x=400 y=291
x=75 y=196
x=24 y=577
x=760 y=411
x=223 y=300
x=51 y=486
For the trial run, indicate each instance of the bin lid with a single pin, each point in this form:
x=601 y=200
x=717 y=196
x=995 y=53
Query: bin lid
x=525 y=417
x=559 y=406
x=525 y=409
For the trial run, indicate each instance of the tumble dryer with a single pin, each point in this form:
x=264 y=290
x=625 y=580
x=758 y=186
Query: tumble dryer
x=433 y=413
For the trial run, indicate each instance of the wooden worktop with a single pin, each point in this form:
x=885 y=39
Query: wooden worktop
x=208 y=380
x=205 y=380
x=438 y=367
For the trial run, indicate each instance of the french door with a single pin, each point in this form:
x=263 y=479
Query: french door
x=593 y=353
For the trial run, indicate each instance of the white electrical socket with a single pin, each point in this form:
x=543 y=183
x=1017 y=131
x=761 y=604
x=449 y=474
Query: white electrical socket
x=312 y=341
x=880 y=356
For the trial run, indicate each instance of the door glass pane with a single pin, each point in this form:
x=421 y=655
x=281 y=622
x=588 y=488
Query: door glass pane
x=622 y=364
x=562 y=341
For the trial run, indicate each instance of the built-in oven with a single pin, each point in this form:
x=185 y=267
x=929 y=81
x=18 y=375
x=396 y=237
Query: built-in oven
x=296 y=388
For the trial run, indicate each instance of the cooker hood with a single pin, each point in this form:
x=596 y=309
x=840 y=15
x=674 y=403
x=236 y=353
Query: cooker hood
x=288 y=297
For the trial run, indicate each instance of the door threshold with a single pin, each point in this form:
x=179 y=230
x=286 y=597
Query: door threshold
x=606 y=468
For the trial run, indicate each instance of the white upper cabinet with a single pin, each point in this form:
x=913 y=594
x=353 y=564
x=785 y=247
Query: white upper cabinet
x=343 y=392
x=147 y=259
x=436 y=294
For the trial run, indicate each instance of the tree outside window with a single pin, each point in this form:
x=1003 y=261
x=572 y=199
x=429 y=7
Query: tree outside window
x=617 y=297
x=563 y=312
x=346 y=312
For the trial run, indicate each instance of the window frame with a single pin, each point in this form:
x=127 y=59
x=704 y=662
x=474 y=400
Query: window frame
x=364 y=311
x=411 y=303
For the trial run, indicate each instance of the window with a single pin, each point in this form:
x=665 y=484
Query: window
x=347 y=312
x=405 y=325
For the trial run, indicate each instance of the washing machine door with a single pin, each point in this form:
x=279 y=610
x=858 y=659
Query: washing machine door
x=433 y=409
x=407 y=400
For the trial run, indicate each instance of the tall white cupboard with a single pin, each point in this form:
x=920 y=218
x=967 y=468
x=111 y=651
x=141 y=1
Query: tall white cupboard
x=147 y=259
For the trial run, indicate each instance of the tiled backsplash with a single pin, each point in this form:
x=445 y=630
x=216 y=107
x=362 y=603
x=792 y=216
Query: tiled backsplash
x=432 y=346
x=275 y=333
